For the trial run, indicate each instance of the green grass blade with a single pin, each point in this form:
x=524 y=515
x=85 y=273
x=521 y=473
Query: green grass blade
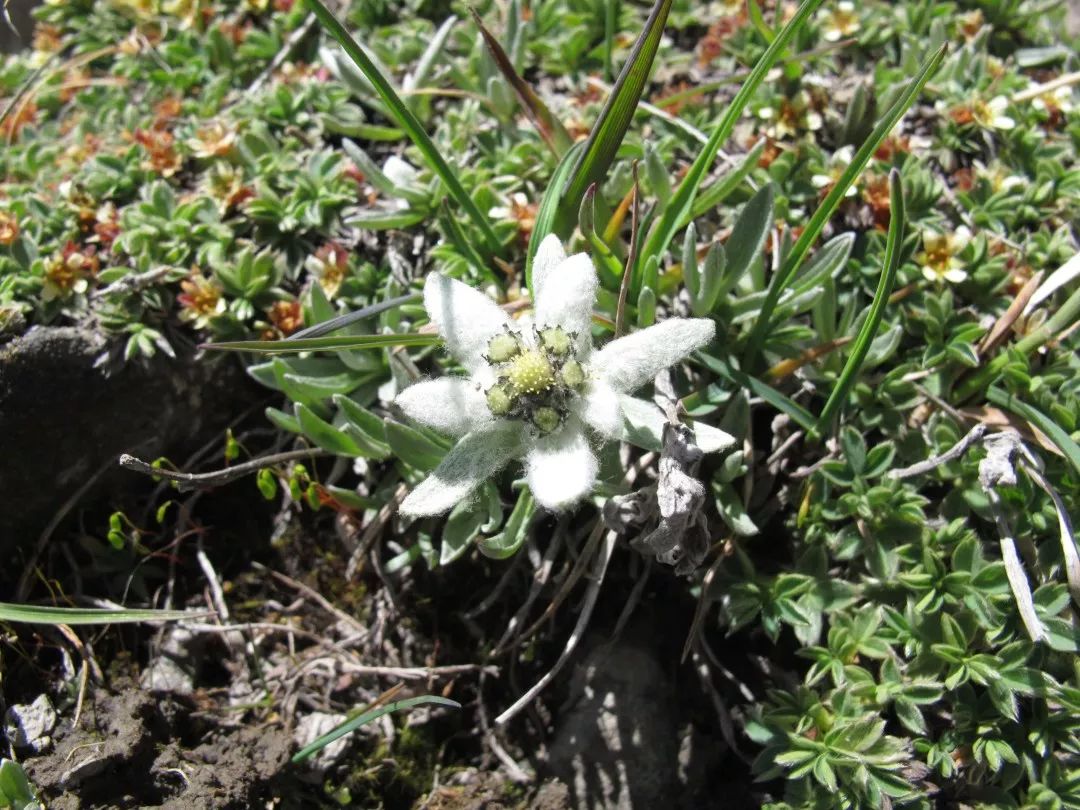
x=835 y=196
x=33 y=614
x=611 y=19
x=350 y=726
x=341 y=321
x=408 y=121
x=1052 y=429
x=1062 y=319
x=719 y=191
x=870 y=326
x=615 y=118
x=607 y=264
x=799 y=415
x=549 y=207
x=325 y=344
x=758 y=19
x=682 y=202
x=549 y=127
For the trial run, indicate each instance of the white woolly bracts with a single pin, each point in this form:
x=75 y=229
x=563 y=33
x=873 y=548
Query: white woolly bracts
x=537 y=392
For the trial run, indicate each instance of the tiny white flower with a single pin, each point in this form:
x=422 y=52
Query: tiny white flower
x=400 y=172
x=991 y=114
x=940 y=256
x=842 y=22
x=841 y=159
x=1058 y=100
x=537 y=390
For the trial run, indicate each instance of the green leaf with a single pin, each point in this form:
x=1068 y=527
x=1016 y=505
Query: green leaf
x=405 y=118
x=373 y=219
x=364 y=427
x=507 y=542
x=467 y=520
x=360 y=720
x=324 y=434
x=713 y=195
x=15 y=790
x=32 y=614
x=758 y=19
x=749 y=234
x=910 y=715
x=607 y=134
x=802 y=417
x=284 y=421
x=826 y=264
x=663 y=232
x=379 y=181
x=413 y=447
x=608 y=265
x=327 y=344
x=870 y=326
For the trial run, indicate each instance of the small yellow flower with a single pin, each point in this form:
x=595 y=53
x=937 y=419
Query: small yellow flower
x=215 y=139
x=793 y=116
x=1055 y=105
x=991 y=114
x=837 y=166
x=9 y=228
x=69 y=272
x=286 y=316
x=521 y=211
x=939 y=257
x=329 y=265
x=200 y=301
x=840 y=23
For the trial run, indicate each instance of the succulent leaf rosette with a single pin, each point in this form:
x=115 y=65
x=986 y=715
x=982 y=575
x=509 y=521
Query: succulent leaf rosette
x=537 y=389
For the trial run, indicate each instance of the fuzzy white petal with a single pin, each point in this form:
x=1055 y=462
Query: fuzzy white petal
x=466 y=319
x=470 y=462
x=561 y=468
x=566 y=299
x=645 y=428
x=599 y=408
x=631 y=361
x=548 y=257
x=450 y=405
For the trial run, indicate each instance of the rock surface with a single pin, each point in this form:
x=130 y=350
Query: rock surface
x=617 y=745
x=28 y=727
x=59 y=422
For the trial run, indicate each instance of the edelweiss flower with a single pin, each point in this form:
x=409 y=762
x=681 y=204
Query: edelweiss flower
x=537 y=390
x=939 y=257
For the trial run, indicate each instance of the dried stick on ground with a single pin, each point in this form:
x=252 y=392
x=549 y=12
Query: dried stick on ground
x=602 y=560
x=189 y=481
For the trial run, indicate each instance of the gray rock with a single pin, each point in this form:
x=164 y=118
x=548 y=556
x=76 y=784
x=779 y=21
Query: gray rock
x=313 y=726
x=65 y=417
x=616 y=745
x=174 y=667
x=28 y=727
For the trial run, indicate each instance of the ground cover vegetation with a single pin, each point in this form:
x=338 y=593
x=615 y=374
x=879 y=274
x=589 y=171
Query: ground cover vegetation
x=759 y=319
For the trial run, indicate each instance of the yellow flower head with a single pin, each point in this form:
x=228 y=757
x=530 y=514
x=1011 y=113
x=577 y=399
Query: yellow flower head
x=939 y=257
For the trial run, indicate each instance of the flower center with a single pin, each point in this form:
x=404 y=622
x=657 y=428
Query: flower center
x=535 y=383
x=530 y=373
